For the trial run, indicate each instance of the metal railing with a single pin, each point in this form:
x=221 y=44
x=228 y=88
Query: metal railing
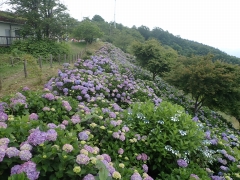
x=8 y=40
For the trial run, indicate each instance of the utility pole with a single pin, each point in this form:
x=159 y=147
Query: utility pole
x=114 y=14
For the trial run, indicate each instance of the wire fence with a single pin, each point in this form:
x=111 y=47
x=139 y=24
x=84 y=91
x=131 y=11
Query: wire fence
x=43 y=62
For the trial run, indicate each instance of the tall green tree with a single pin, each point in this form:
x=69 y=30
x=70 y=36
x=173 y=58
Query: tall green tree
x=212 y=84
x=98 y=18
x=45 y=18
x=154 y=57
x=88 y=31
x=145 y=31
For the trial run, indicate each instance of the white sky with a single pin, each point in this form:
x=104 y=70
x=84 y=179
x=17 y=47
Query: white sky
x=211 y=22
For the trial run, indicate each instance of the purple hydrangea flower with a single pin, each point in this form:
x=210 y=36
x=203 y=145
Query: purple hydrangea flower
x=82 y=159
x=66 y=105
x=195 y=119
x=115 y=135
x=75 y=119
x=3 y=125
x=46 y=109
x=195 y=176
x=224 y=168
x=2 y=153
x=25 y=155
x=136 y=176
x=89 y=177
x=182 y=163
x=125 y=129
x=112 y=115
x=148 y=178
x=3 y=117
x=61 y=126
x=12 y=152
x=37 y=137
x=33 y=116
x=29 y=168
x=144 y=157
x=59 y=84
x=15 y=169
x=106 y=157
x=208 y=135
x=122 y=137
x=67 y=147
x=4 y=141
x=120 y=151
x=25 y=88
x=49 y=96
x=26 y=146
x=83 y=135
x=51 y=135
x=65 y=122
x=230 y=158
x=145 y=168
x=51 y=125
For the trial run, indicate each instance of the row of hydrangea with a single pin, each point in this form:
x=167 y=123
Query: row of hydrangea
x=78 y=123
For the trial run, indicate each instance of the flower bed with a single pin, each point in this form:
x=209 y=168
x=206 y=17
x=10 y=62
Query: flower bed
x=105 y=119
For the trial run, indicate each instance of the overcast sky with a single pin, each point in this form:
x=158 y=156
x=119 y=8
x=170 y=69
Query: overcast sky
x=211 y=22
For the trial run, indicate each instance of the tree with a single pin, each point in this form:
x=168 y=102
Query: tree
x=97 y=18
x=88 y=31
x=45 y=18
x=145 y=31
x=212 y=84
x=154 y=57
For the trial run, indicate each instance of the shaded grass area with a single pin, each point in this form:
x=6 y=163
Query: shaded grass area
x=13 y=78
x=231 y=119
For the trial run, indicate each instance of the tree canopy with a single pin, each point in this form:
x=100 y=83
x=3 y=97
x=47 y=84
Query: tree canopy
x=212 y=84
x=88 y=31
x=45 y=18
x=97 y=18
x=154 y=57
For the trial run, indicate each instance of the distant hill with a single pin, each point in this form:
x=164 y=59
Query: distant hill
x=122 y=36
x=186 y=47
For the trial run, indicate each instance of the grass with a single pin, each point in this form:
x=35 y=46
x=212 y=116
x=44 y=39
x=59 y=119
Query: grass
x=12 y=79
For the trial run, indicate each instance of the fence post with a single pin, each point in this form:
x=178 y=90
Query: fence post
x=40 y=62
x=11 y=61
x=1 y=83
x=59 y=59
x=25 y=68
x=51 y=60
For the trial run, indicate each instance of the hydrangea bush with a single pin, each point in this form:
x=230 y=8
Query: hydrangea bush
x=105 y=119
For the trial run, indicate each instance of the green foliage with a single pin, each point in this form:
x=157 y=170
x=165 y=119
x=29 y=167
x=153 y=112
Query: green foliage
x=5 y=50
x=97 y=18
x=185 y=173
x=153 y=56
x=20 y=176
x=41 y=48
x=171 y=134
x=185 y=47
x=45 y=19
x=212 y=84
x=88 y=31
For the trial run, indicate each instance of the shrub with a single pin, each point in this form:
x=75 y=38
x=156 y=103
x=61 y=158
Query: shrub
x=41 y=48
x=171 y=133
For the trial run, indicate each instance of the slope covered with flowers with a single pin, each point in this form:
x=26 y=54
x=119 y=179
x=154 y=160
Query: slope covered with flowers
x=105 y=119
